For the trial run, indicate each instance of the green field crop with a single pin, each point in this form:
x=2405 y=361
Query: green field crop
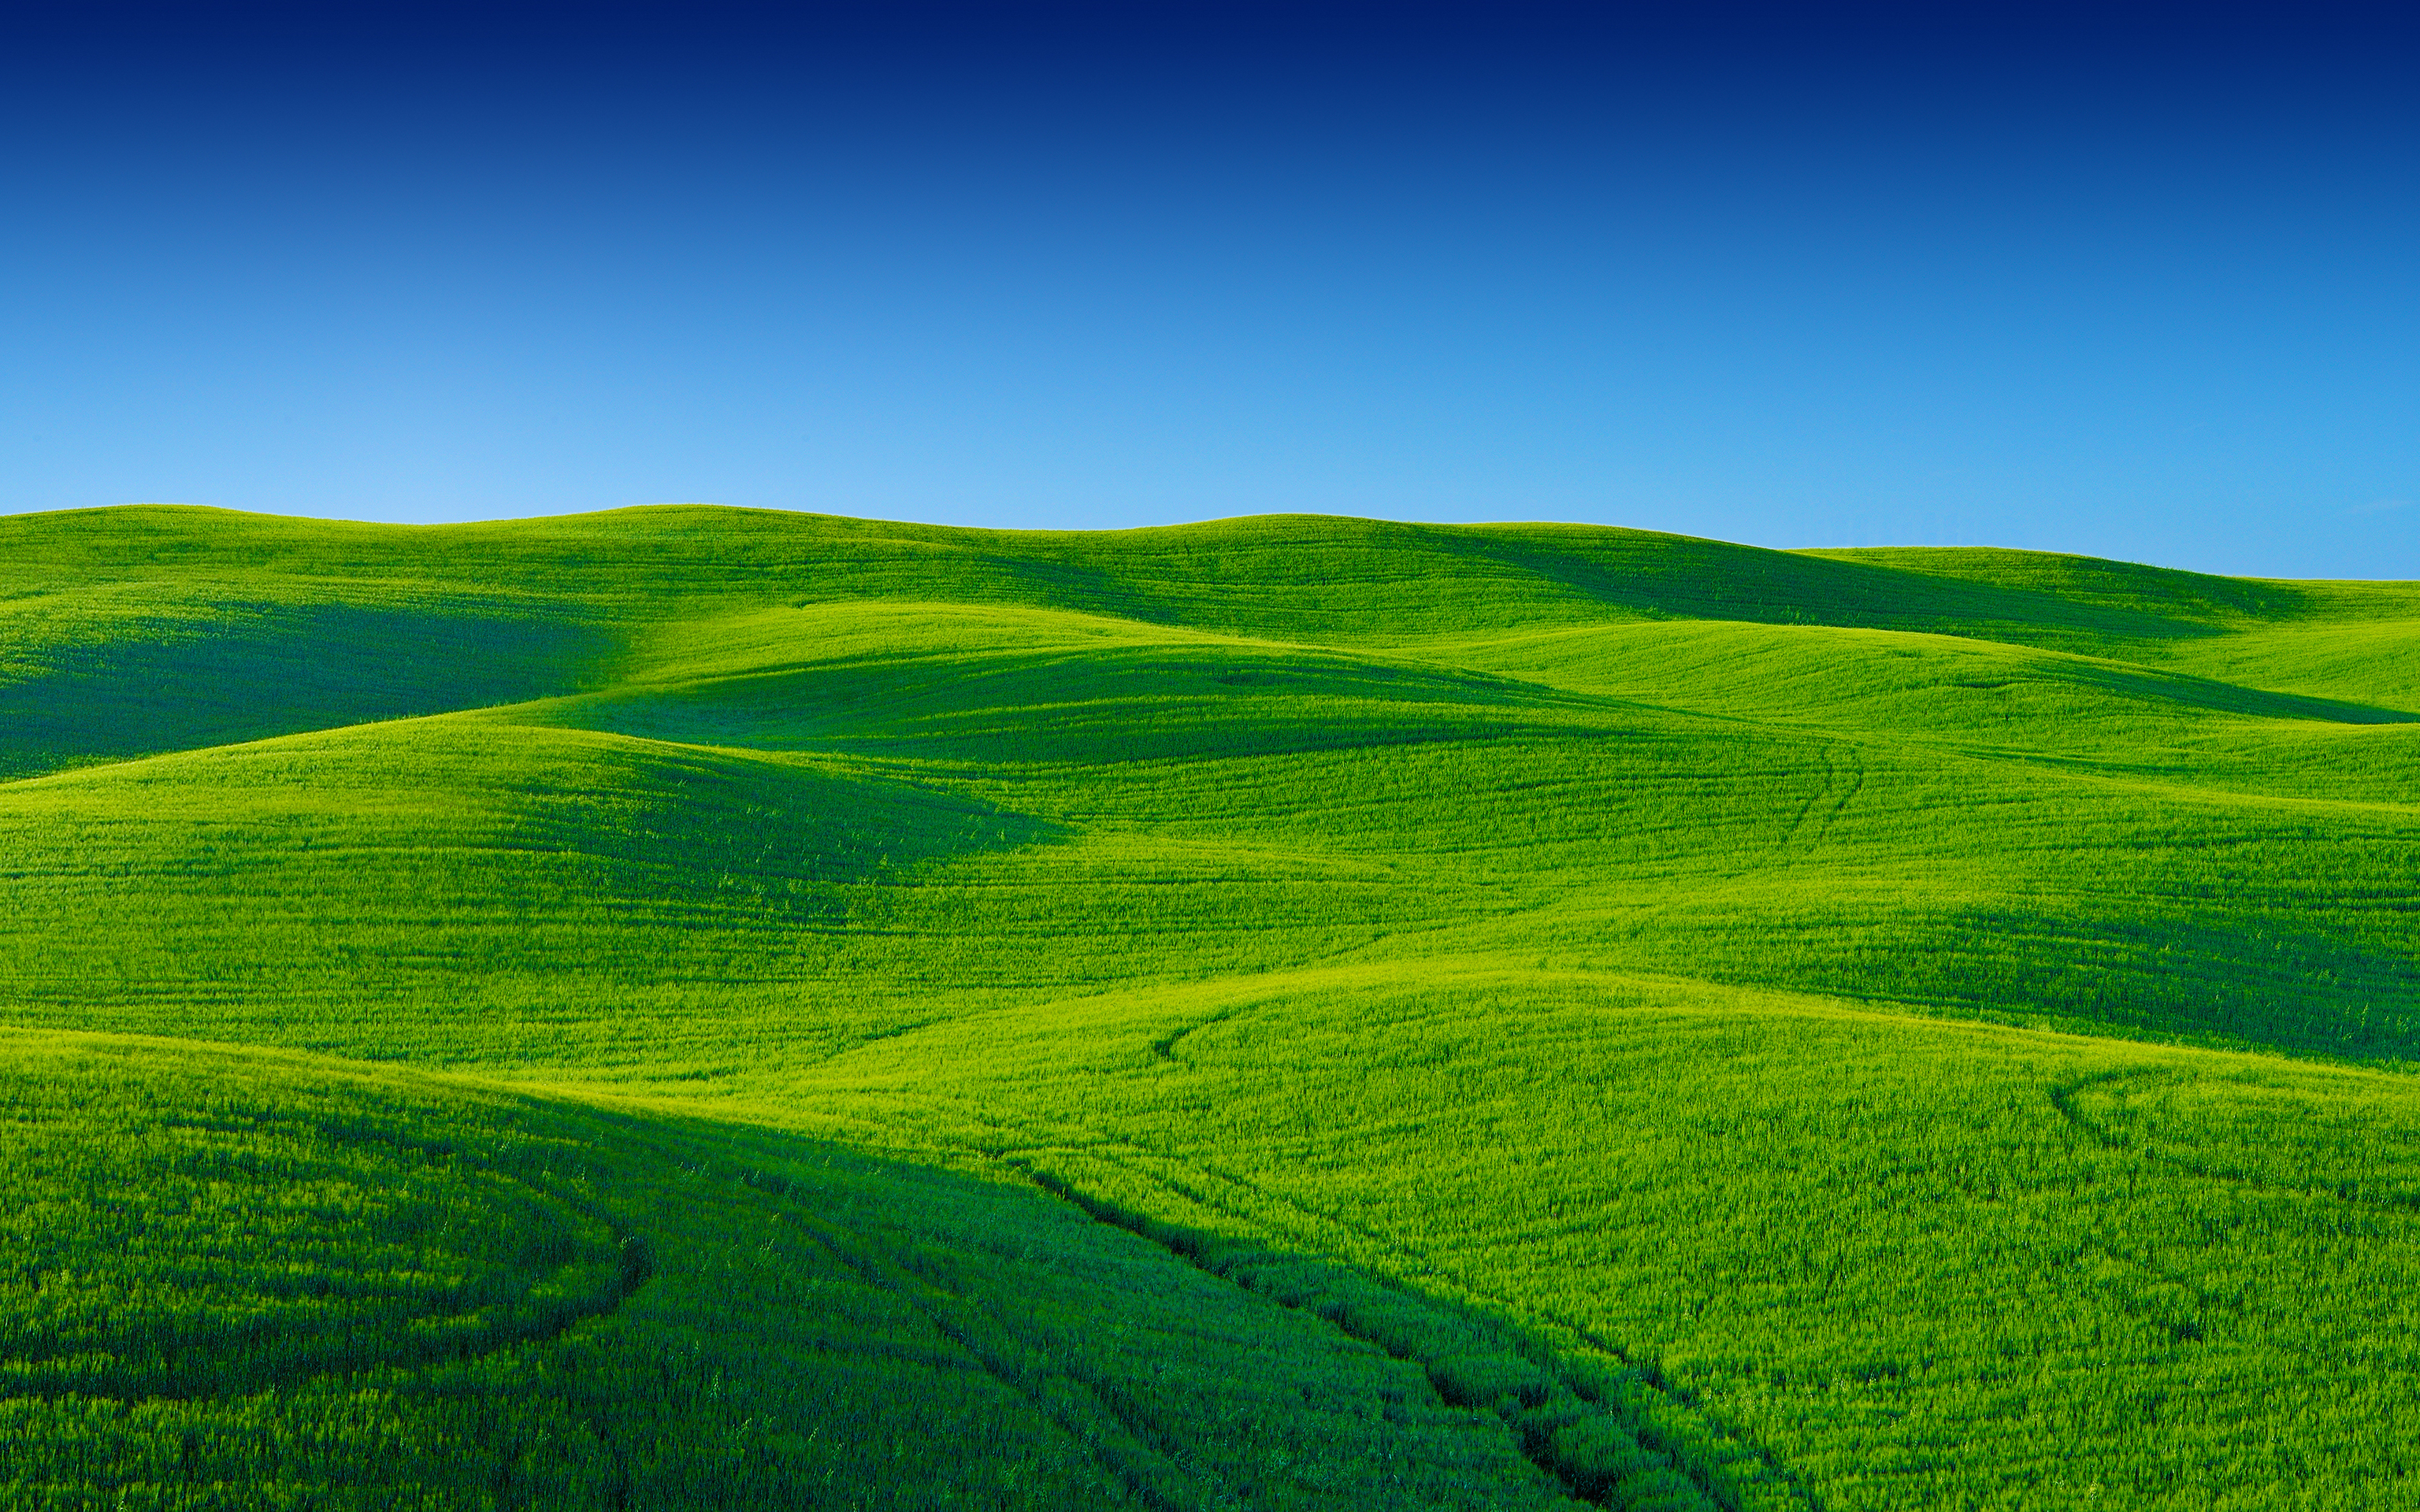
x=712 y=1008
x=252 y=1281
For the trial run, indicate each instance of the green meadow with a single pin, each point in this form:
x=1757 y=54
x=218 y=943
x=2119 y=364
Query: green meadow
x=702 y=1008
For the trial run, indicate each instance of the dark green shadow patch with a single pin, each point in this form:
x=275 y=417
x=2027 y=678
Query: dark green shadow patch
x=243 y=670
x=1131 y=704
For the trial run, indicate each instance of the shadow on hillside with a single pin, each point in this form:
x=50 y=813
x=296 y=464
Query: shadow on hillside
x=2231 y=697
x=1686 y=579
x=712 y=821
x=249 y=671
x=1120 y=705
x=1612 y=1432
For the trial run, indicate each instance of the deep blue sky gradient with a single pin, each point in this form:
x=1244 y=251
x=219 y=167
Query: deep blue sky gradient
x=2109 y=282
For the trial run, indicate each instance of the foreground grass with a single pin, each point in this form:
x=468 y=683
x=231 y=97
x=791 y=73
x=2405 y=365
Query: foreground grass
x=235 y=1281
x=1600 y=1010
x=1916 y=1263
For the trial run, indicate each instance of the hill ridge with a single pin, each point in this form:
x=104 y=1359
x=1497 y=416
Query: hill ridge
x=1584 y=1014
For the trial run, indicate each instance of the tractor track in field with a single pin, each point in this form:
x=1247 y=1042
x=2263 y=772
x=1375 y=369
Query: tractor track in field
x=1015 y=1143
x=2204 y=1303
x=921 y=1293
x=634 y=1267
x=1648 y=1372
x=2063 y=1099
x=1844 y=779
x=1165 y=1046
x=1857 y=785
x=1017 y=1158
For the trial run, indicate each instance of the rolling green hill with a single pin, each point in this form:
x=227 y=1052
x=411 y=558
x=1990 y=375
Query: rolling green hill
x=699 y=1007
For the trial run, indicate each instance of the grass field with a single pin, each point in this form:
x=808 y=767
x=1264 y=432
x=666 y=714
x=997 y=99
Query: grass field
x=712 y=1008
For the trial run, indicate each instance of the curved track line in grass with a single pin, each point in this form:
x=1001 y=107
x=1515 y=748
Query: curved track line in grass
x=1105 y=1213
x=1535 y=1446
x=2063 y=1099
x=1649 y=1371
x=1812 y=823
x=1539 y=1449
x=2191 y=1330
x=919 y=1294
x=1150 y=1463
x=1165 y=1046
x=1857 y=785
x=633 y=1264
x=1015 y=1143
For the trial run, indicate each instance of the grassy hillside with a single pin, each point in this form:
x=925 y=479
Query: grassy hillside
x=1615 y=1016
x=236 y=1280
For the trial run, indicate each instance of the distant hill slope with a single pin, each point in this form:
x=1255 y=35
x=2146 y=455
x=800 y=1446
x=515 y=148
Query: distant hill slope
x=1555 y=931
x=1895 y=778
x=268 y=624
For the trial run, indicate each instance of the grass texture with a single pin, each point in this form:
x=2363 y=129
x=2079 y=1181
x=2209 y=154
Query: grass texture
x=712 y=1008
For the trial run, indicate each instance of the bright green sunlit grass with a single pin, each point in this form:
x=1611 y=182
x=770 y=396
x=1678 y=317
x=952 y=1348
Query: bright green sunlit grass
x=1287 y=1012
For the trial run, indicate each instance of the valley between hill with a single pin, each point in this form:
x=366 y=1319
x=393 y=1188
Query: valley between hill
x=700 y=1007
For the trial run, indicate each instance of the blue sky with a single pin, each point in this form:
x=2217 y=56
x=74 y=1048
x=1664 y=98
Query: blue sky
x=2120 y=286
